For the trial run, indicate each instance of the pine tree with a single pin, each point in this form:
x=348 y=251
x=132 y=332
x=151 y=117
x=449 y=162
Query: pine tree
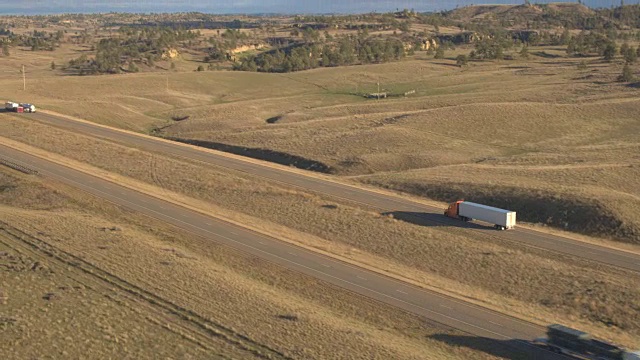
x=630 y=55
x=627 y=74
x=133 y=67
x=624 y=48
x=565 y=37
x=609 y=51
x=462 y=60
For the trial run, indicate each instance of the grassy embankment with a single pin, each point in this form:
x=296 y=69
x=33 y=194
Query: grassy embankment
x=86 y=277
x=538 y=136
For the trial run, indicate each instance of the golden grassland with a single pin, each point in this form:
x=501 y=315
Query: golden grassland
x=478 y=267
x=556 y=143
x=525 y=113
x=85 y=277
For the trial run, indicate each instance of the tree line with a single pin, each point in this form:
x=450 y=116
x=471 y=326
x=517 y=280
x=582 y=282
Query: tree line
x=133 y=46
x=36 y=40
x=346 y=50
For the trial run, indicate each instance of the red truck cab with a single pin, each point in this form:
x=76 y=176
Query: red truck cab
x=453 y=211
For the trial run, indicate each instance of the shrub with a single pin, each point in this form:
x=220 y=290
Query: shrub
x=627 y=74
x=462 y=60
x=610 y=51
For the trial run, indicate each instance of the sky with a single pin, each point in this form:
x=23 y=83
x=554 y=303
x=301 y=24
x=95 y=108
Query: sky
x=29 y=7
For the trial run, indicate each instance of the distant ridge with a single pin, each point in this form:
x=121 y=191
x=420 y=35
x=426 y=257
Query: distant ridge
x=257 y=7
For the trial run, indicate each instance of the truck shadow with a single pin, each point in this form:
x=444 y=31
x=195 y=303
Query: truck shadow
x=433 y=220
x=506 y=349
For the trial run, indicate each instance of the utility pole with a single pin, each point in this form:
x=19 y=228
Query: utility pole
x=24 y=79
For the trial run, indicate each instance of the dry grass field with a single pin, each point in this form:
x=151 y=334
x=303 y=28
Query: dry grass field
x=488 y=120
x=558 y=144
x=84 y=277
x=488 y=270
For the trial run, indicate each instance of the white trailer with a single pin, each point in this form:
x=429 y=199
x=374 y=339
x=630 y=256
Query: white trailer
x=11 y=106
x=28 y=108
x=467 y=211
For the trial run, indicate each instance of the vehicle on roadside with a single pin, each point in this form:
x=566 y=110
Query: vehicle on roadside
x=30 y=108
x=11 y=106
x=467 y=211
x=580 y=345
x=19 y=108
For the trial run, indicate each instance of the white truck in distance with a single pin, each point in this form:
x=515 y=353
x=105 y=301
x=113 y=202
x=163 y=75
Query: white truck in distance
x=19 y=108
x=28 y=108
x=11 y=106
x=467 y=211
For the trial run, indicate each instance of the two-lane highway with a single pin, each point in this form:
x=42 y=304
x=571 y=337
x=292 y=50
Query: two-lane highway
x=455 y=313
x=380 y=201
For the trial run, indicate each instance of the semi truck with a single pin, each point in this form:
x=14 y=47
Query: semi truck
x=30 y=108
x=467 y=211
x=15 y=107
x=11 y=106
x=578 y=344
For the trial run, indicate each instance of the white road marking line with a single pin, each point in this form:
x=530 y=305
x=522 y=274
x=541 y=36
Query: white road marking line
x=210 y=224
x=360 y=277
x=327 y=266
x=292 y=254
x=491 y=322
x=446 y=307
x=400 y=291
x=234 y=233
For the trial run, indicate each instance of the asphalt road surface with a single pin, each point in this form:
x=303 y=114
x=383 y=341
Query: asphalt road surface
x=504 y=330
x=400 y=207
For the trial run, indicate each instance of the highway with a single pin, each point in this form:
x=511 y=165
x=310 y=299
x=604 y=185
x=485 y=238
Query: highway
x=451 y=312
x=382 y=202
